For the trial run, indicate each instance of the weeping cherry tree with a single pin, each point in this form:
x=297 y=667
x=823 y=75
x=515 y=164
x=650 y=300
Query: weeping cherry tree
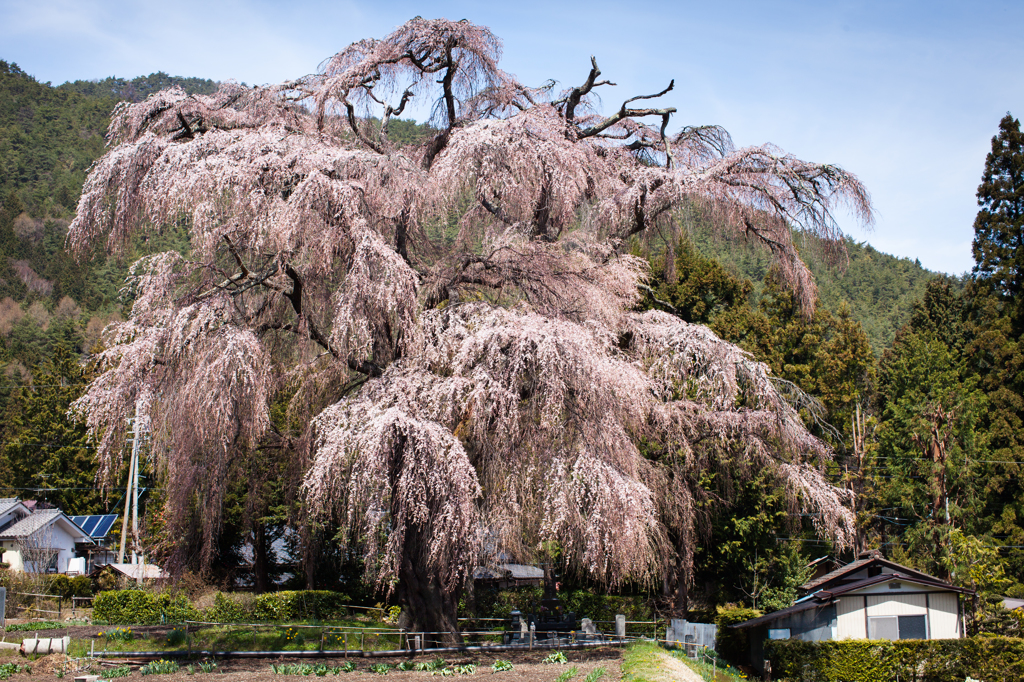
x=449 y=330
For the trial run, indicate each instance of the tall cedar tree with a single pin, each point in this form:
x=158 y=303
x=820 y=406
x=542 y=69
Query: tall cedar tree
x=999 y=226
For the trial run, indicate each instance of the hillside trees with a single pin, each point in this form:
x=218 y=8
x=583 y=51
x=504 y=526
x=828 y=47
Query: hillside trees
x=826 y=356
x=950 y=398
x=49 y=453
x=931 y=441
x=451 y=325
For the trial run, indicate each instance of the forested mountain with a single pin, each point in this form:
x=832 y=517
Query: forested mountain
x=877 y=289
x=929 y=364
x=138 y=89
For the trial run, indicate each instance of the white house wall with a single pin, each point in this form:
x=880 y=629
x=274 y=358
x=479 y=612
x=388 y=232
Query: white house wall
x=897 y=605
x=55 y=537
x=944 y=616
x=12 y=556
x=940 y=608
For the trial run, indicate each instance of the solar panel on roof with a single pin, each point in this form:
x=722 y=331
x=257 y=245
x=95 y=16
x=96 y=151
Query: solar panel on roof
x=95 y=525
x=103 y=524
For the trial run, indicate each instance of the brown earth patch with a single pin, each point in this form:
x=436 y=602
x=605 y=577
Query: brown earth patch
x=527 y=668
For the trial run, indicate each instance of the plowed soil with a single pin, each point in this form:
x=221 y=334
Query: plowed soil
x=527 y=666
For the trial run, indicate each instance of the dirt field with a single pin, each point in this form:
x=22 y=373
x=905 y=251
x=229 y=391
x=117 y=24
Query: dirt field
x=527 y=667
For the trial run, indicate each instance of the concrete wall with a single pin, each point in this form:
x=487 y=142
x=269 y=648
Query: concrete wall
x=700 y=634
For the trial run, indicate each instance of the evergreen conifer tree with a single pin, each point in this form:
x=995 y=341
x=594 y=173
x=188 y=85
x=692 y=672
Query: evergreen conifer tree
x=999 y=226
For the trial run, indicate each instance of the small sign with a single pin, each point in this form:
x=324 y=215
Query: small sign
x=778 y=633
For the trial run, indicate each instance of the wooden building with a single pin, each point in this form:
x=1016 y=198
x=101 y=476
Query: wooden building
x=870 y=598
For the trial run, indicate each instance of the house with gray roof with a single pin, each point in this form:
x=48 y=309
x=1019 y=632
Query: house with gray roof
x=12 y=510
x=504 y=576
x=44 y=541
x=870 y=598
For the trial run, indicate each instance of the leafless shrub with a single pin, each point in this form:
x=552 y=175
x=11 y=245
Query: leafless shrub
x=31 y=279
x=10 y=315
x=28 y=228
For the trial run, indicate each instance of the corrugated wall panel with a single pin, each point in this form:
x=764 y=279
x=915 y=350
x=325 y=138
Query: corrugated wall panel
x=944 y=616
x=896 y=605
x=850 y=618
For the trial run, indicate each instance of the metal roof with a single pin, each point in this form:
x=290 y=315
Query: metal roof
x=97 y=525
x=35 y=522
x=509 y=571
x=146 y=571
x=891 y=577
x=826 y=597
x=864 y=560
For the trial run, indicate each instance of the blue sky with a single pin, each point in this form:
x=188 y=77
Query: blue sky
x=907 y=95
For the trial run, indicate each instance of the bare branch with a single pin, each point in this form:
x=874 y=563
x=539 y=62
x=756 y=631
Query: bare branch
x=623 y=113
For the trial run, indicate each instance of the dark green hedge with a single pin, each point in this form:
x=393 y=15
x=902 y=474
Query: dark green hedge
x=300 y=605
x=733 y=645
x=79 y=586
x=493 y=603
x=135 y=607
x=993 y=659
x=292 y=605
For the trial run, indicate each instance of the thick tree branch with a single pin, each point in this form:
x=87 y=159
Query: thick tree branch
x=389 y=111
x=624 y=112
x=354 y=125
x=577 y=94
x=446 y=84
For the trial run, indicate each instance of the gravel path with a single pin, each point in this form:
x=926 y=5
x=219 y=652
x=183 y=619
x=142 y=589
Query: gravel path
x=678 y=671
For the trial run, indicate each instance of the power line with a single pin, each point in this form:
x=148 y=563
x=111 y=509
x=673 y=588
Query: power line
x=42 y=385
x=825 y=542
x=926 y=459
x=47 y=445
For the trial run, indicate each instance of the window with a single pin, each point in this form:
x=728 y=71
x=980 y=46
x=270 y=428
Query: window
x=897 y=627
x=913 y=627
x=883 y=627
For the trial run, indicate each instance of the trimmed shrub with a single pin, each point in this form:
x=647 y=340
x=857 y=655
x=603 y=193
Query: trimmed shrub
x=60 y=584
x=81 y=586
x=225 y=609
x=993 y=659
x=272 y=607
x=733 y=645
x=135 y=607
x=300 y=605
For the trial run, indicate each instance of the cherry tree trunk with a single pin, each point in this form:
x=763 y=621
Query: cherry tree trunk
x=426 y=607
x=260 y=558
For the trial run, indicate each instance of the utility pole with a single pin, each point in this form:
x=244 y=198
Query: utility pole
x=127 y=505
x=857 y=482
x=131 y=505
